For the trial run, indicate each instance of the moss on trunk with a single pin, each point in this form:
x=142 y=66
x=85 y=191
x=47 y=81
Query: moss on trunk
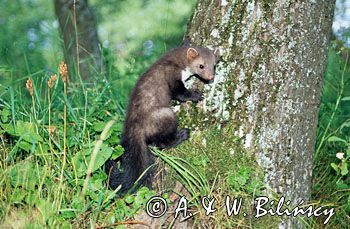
x=267 y=83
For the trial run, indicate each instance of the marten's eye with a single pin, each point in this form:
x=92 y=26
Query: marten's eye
x=201 y=66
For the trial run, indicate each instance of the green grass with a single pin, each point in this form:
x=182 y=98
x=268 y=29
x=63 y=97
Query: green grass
x=35 y=181
x=331 y=179
x=35 y=193
x=41 y=183
x=217 y=167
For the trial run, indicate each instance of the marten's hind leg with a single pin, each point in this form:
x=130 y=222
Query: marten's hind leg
x=161 y=129
x=180 y=136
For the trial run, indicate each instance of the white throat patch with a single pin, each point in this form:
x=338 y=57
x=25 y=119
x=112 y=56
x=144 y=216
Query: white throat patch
x=186 y=74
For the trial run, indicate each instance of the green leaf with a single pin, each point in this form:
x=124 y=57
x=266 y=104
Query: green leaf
x=18 y=195
x=341 y=185
x=27 y=132
x=118 y=151
x=34 y=226
x=5 y=113
x=196 y=161
x=335 y=167
x=120 y=209
x=82 y=159
x=336 y=139
x=98 y=126
x=231 y=180
x=142 y=191
x=241 y=180
x=114 y=139
x=118 y=127
x=100 y=175
x=346 y=98
x=31 y=197
x=45 y=208
x=65 y=225
x=8 y=128
x=200 y=161
x=345 y=124
x=138 y=201
x=109 y=133
x=77 y=204
x=129 y=199
x=344 y=168
x=165 y=195
x=25 y=146
x=254 y=185
x=43 y=149
x=24 y=174
x=96 y=183
x=150 y=194
x=111 y=218
x=67 y=213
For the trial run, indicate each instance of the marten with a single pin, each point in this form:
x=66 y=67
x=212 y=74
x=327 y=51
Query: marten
x=149 y=118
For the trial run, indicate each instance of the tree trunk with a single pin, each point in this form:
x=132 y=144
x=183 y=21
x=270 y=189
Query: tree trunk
x=269 y=80
x=79 y=29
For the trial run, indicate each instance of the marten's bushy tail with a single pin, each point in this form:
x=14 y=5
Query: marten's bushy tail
x=135 y=160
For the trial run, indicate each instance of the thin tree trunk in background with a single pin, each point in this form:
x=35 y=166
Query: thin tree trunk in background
x=84 y=29
x=269 y=81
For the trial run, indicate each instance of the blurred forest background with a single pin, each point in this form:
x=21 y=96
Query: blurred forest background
x=128 y=31
x=132 y=35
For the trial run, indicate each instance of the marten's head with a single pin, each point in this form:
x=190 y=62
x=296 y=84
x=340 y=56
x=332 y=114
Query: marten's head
x=201 y=62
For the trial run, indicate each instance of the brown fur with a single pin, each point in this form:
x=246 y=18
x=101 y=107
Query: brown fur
x=149 y=119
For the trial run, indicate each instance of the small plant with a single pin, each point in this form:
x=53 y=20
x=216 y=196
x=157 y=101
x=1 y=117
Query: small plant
x=29 y=86
x=67 y=185
x=343 y=157
x=194 y=181
x=50 y=84
x=63 y=70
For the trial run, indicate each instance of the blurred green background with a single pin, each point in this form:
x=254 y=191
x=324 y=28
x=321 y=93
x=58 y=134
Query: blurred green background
x=129 y=31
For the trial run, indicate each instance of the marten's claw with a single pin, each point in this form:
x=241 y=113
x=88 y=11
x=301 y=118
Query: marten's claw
x=197 y=96
x=184 y=134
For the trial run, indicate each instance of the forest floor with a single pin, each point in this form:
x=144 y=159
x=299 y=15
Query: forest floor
x=54 y=143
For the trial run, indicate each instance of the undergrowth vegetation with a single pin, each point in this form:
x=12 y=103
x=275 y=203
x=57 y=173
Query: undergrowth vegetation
x=48 y=148
x=331 y=178
x=50 y=175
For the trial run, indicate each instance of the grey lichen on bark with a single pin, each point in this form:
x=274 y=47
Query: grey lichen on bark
x=269 y=80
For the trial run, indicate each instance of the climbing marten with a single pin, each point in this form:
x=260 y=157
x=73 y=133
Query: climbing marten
x=150 y=120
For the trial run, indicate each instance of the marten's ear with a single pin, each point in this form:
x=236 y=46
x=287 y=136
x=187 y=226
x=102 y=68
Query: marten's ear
x=191 y=54
x=217 y=53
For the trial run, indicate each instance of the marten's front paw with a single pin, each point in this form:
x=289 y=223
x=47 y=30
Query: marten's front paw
x=184 y=134
x=197 y=96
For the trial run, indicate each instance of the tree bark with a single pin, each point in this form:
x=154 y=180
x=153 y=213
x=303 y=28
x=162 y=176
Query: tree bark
x=80 y=37
x=269 y=81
